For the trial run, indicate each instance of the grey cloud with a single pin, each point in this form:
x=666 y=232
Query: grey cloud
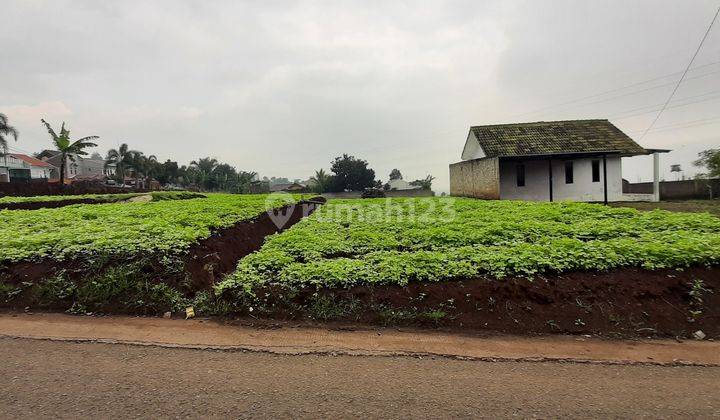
x=283 y=87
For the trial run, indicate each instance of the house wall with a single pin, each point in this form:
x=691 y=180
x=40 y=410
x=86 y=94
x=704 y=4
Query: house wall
x=537 y=186
x=477 y=178
x=39 y=172
x=472 y=149
x=83 y=167
x=92 y=167
x=11 y=162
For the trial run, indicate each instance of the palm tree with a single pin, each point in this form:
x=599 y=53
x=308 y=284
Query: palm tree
x=144 y=166
x=204 y=167
x=244 y=180
x=322 y=181
x=6 y=130
x=151 y=167
x=67 y=147
x=122 y=158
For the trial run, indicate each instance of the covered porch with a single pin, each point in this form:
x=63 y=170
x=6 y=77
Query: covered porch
x=575 y=176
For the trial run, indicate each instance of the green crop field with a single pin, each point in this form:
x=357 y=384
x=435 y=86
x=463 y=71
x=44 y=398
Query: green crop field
x=165 y=226
x=356 y=242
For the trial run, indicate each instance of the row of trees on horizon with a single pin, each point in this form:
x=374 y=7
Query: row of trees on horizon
x=205 y=173
x=347 y=173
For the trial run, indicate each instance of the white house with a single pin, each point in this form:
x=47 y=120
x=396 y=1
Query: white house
x=81 y=167
x=16 y=166
x=579 y=160
x=400 y=184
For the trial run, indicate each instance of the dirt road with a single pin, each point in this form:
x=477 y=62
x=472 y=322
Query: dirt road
x=294 y=338
x=63 y=379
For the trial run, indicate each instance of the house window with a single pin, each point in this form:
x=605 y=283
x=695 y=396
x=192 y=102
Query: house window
x=569 y=172
x=595 y=171
x=520 y=168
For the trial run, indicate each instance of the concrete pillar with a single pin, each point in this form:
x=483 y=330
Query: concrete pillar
x=656 y=176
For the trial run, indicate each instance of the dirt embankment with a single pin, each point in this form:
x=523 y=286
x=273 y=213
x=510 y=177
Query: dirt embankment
x=212 y=258
x=623 y=302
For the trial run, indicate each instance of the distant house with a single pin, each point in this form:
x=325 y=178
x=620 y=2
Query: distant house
x=19 y=167
x=400 y=184
x=291 y=187
x=79 y=167
x=579 y=160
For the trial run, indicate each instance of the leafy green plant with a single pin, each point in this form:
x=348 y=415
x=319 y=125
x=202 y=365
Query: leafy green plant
x=697 y=291
x=396 y=241
x=120 y=229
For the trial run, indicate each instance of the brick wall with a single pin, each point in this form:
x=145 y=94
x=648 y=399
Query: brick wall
x=479 y=178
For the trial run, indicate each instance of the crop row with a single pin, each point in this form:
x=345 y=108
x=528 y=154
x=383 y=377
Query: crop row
x=165 y=226
x=351 y=242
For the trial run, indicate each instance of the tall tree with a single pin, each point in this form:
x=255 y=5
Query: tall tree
x=67 y=148
x=143 y=166
x=245 y=178
x=203 y=168
x=152 y=167
x=6 y=131
x=169 y=172
x=709 y=159
x=351 y=174
x=395 y=174
x=122 y=158
x=223 y=177
x=322 y=181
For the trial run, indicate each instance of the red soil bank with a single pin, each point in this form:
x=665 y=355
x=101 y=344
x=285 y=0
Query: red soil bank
x=628 y=302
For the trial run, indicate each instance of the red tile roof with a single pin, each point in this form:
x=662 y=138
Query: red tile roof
x=30 y=160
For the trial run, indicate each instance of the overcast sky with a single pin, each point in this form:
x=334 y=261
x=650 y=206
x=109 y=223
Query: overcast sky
x=282 y=87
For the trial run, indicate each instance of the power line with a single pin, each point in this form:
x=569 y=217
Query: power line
x=702 y=41
x=612 y=98
x=572 y=101
x=682 y=125
x=622 y=117
x=657 y=106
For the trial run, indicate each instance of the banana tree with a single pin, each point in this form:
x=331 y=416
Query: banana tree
x=68 y=149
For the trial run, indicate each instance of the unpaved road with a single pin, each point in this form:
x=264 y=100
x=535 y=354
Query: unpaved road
x=64 y=379
x=294 y=338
